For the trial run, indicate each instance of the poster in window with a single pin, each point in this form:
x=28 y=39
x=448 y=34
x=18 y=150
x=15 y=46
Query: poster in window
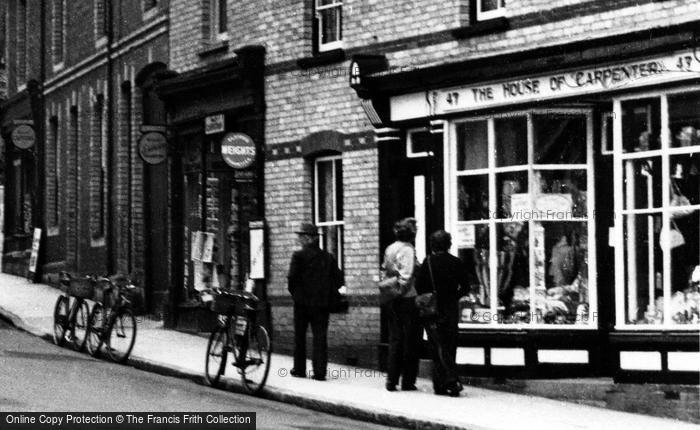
x=207 y=247
x=466 y=236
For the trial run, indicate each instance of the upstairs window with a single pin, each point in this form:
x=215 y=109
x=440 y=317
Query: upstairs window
x=488 y=9
x=218 y=20
x=329 y=16
x=100 y=19
x=57 y=35
x=22 y=43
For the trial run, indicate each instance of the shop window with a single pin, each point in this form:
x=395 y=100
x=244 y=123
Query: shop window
x=659 y=260
x=57 y=34
x=488 y=9
x=328 y=202
x=329 y=18
x=522 y=223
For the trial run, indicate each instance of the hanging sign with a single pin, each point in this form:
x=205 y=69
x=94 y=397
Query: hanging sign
x=153 y=147
x=214 y=124
x=238 y=150
x=661 y=69
x=23 y=136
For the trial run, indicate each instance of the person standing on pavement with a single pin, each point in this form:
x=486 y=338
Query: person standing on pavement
x=446 y=276
x=313 y=275
x=404 y=335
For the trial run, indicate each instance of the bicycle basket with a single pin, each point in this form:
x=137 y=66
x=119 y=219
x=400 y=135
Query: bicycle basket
x=81 y=287
x=223 y=304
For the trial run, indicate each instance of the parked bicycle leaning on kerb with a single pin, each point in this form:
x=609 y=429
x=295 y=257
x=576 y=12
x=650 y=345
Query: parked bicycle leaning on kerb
x=241 y=334
x=71 y=312
x=112 y=322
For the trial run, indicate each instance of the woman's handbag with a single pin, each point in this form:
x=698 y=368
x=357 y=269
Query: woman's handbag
x=427 y=302
x=389 y=289
x=671 y=237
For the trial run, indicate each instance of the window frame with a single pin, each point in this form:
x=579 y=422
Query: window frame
x=216 y=23
x=101 y=22
x=492 y=171
x=336 y=44
x=58 y=37
x=665 y=152
x=500 y=11
x=335 y=222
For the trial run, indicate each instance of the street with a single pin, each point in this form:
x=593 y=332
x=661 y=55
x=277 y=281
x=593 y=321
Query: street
x=39 y=376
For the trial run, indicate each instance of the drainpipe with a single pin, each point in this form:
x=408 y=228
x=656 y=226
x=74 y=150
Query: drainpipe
x=110 y=140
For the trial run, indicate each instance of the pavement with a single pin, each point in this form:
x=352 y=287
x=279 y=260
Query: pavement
x=353 y=392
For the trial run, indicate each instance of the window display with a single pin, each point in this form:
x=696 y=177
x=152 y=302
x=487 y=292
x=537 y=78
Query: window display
x=525 y=213
x=661 y=210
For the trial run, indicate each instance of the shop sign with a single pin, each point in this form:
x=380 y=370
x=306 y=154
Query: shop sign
x=238 y=150
x=23 y=136
x=153 y=147
x=674 y=67
x=214 y=124
x=34 y=257
x=257 y=249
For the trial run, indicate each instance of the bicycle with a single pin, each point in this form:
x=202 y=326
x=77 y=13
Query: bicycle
x=115 y=328
x=240 y=334
x=71 y=319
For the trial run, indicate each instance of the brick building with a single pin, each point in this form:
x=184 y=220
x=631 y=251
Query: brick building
x=503 y=122
x=460 y=114
x=77 y=71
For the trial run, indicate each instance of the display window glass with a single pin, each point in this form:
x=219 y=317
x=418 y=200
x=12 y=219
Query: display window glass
x=521 y=219
x=657 y=148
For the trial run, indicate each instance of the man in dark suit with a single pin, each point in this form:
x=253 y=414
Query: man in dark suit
x=313 y=275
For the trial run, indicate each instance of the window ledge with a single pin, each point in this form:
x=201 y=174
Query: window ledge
x=100 y=42
x=57 y=67
x=322 y=59
x=151 y=13
x=495 y=25
x=212 y=47
x=97 y=242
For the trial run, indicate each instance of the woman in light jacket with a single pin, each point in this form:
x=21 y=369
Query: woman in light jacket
x=404 y=327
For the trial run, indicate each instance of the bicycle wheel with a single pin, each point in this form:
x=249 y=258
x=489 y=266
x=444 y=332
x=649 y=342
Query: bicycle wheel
x=256 y=364
x=60 y=320
x=215 y=363
x=79 y=325
x=121 y=335
x=96 y=325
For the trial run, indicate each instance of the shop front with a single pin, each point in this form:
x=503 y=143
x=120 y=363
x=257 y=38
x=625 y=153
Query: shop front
x=573 y=197
x=216 y=119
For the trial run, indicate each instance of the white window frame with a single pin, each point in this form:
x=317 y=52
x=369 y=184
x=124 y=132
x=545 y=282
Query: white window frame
x=58 y=65
x=619 y=156
x=490 y=14
x=452 y=218
x=409 y=144
x=100 y=27
x=337 y=44
x=335 y=222
x=148 y=13
x=214 y=21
